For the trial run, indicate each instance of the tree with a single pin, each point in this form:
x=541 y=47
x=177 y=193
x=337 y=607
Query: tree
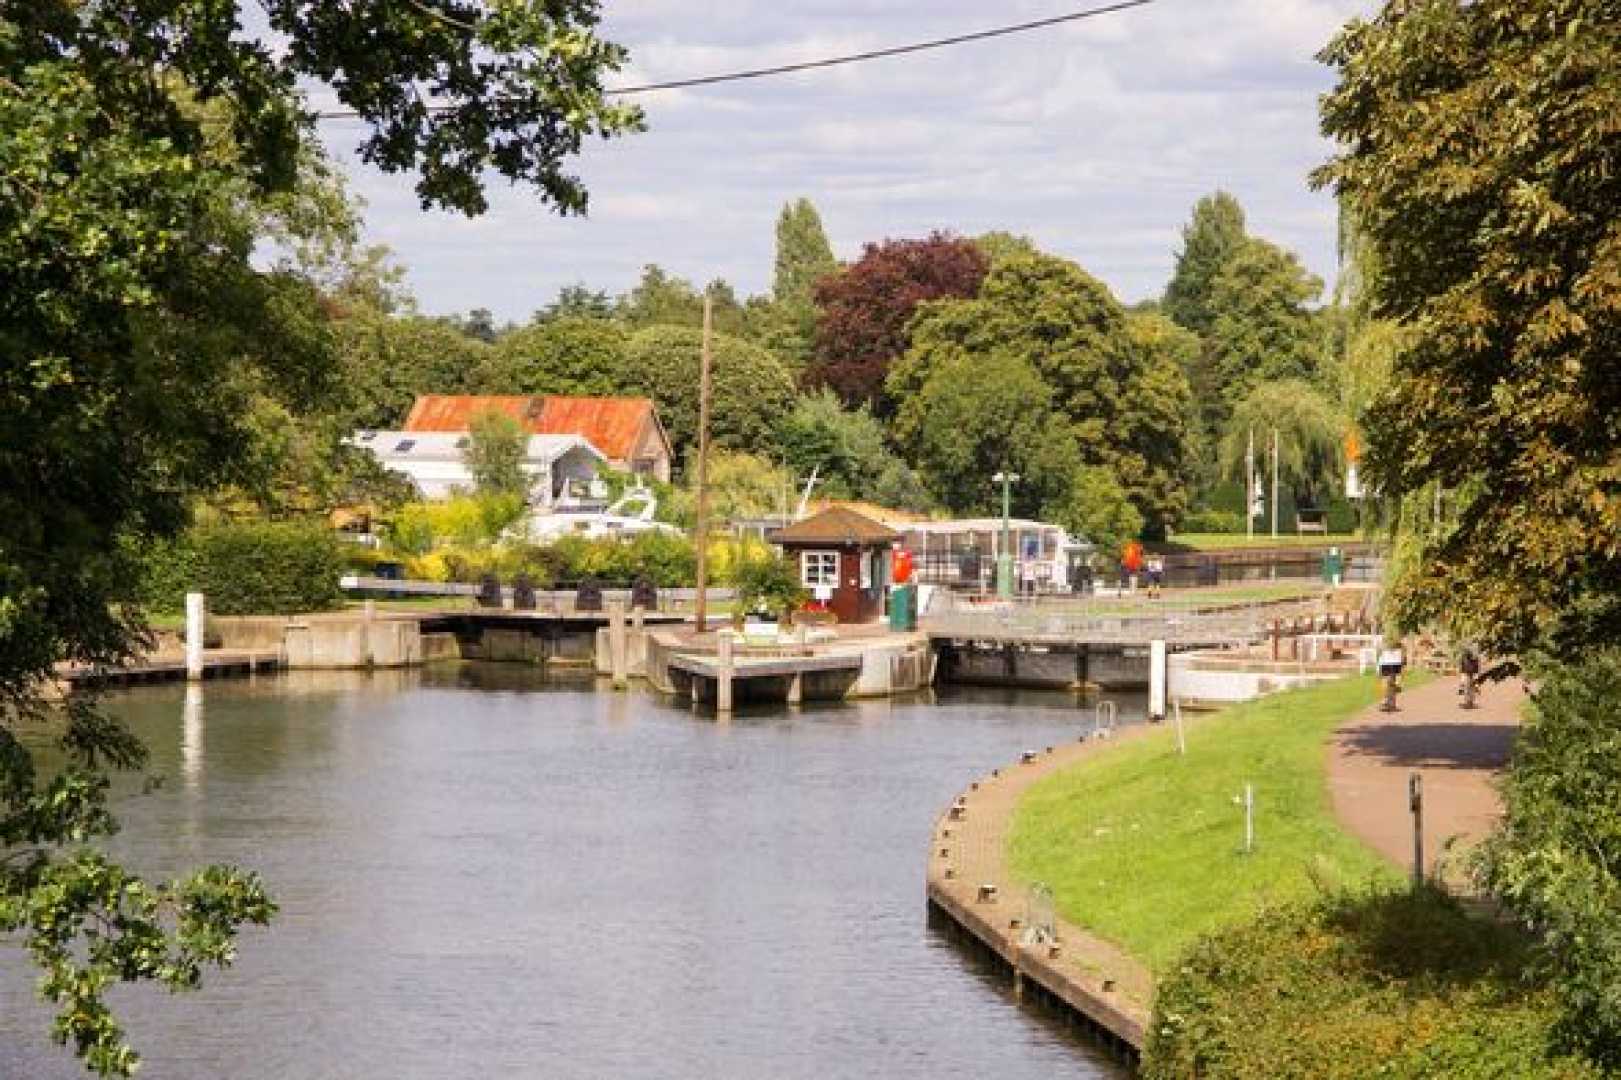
x=865 y=308
x=847 y=449
x=496 y=447
x=804 y=257
x=577 y=301
x=752 y=388
x=1554 y=859
x=1161 y=457
x=1209 y=242
x=1262 y=329
x=744 y=486
x=1311 y=437
x=974 y=415
x=1121 y=406
x=386 y=361
x=141 y=147
x=997 y=246
x=1095 y=506
x=567 y=354
x=1480 y=162
x=661 y=299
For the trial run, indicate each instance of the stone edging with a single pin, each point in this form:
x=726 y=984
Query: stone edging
x=970 y=884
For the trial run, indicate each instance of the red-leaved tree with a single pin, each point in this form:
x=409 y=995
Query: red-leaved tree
x=864 y=308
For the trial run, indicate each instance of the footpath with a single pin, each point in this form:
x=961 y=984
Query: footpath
x=1458 y=752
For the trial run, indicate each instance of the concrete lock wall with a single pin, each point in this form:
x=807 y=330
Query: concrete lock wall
x=352 y=643
x=1221 y=680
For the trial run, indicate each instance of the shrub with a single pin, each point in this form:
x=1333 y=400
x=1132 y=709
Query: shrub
x=768 y=582
x=466 y=521
x=1373 y=984
x=247 y=568
x=1212 y=521
x=1554 y=859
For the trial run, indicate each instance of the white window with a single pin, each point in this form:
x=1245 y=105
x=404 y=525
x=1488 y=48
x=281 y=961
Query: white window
x=819 y=568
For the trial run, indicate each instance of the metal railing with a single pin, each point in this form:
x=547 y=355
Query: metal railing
x=1121 y=621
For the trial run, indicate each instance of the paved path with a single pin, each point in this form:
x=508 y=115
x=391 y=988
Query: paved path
x=1457 y=751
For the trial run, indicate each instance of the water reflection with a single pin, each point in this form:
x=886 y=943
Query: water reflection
x=484 y=872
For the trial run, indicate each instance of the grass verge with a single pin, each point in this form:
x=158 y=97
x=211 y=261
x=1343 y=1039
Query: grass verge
x=1144 y=846
x=1228 y=541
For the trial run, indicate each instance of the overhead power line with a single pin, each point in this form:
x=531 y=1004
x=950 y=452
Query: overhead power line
x=833 y=61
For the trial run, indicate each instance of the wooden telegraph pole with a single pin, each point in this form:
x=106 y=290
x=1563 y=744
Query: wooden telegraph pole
x=701 y=608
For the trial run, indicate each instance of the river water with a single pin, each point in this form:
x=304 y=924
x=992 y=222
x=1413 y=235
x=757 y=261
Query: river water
x=485 y=873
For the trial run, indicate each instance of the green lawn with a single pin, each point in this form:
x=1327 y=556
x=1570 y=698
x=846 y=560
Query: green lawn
x=1145 y=847
x=1226 y=541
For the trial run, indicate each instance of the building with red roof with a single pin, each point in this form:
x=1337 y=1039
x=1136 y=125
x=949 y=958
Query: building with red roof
x=625 y=429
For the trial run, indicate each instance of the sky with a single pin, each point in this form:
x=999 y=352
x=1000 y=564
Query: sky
x=1095 y=139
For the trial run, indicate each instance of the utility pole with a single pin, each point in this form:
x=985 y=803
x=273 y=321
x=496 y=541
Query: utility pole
x=1004 y=559
x=1274 y=483
x=1249 y=488
x=701 y=608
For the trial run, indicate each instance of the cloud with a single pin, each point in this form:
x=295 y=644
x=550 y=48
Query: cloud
x=1094 y=138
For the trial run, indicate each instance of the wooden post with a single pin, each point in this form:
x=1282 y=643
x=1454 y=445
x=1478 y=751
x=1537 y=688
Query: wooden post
x=1277 y=632
x=796 y=688
x=616 y=644
x=1415 y=802
x=195 y=610
x=723 y=673
x=1158 y=678
x=701 y=533
x=1181 y=736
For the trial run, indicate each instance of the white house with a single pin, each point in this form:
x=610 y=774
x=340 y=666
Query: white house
x=435 y=462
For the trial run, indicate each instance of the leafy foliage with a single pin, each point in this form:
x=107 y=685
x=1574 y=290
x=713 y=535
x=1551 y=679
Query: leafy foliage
x=497 y=445
x=565 y=354
x=143 y=149
x=848 y=448
x=246 y=568
x=1481 y=161
x=1554 y=859
x=752 y=388
x=1354 y=985
x=1096 y=507
x=1209 y=242
x=1262 y=330
x=767 y=581
x=1310 y=436
x=865 y=308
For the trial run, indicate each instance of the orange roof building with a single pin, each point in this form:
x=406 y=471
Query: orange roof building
x=626 y=430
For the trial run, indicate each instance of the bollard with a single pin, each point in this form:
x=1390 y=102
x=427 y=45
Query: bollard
x=950 y=873
x=1027 y=758
x=195 y=609
x=987 y=894
x=945 y=853
x=617 y=658
x=723 y=674
x=1159 y=677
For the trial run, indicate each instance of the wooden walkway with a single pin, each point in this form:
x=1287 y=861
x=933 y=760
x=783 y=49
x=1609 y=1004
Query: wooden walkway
x=162 y=668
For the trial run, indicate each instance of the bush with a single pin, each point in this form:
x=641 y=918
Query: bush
x=246 y=568
x=768 y=582
x=1378 y=984
x=1553 y=861
x=1212 y=521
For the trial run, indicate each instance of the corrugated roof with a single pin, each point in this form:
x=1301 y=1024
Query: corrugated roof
x=613 y=425
x=838 y=525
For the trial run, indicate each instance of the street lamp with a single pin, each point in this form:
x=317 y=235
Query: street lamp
x=1004 y=560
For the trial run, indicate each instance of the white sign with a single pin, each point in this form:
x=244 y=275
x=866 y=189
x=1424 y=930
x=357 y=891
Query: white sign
x=824 y=593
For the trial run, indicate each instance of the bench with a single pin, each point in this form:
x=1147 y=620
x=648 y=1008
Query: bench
x=1311 y=521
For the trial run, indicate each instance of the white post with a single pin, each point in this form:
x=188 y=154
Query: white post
x=1181 y=738
x=1157 y=678
x=194 y=635
x=1249 y=817
x=1274 y=491
x=1249 y=488
x=723 y=674
x=191 y=735
x=616 y=643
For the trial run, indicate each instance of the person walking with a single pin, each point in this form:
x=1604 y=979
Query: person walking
x=1468 y=676
x=1156 y=575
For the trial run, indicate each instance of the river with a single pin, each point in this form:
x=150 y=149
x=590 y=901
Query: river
x=486 y=873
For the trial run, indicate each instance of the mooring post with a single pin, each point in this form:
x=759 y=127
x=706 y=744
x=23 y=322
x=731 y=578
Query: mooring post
x=616 y=643
x=796 y=688
x=195 y=609
x=723 y=673
x=1277 y=632
x=1249 y=818
x=1158 y=678
x=1181 y=738
x=1415 y=802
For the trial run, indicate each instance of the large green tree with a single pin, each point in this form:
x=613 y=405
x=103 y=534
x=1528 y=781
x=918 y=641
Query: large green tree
x=568 y=354
x=804 y=257
x=1481 y=160
x=139 y=144
x=1209 y=242
x=1121 y=406
x=753 y=390
x=1262 y=329
x=848 y=450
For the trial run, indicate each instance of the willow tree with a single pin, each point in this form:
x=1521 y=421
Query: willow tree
x=1481 y=159
x=1310 y=435
x=139 y=145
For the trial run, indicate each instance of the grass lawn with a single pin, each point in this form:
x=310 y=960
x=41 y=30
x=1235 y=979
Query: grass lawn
x=1145 y=847
x=1226 y=541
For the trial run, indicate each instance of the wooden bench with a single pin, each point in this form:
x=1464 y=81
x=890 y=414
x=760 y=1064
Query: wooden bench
x=1311 y=521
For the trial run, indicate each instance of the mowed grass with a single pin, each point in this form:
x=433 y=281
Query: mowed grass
x=1146 y=847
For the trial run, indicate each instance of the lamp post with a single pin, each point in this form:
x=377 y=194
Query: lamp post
x=1004 y=558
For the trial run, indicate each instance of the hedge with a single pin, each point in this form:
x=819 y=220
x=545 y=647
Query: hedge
x=1383 y=983
x=246 y=568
